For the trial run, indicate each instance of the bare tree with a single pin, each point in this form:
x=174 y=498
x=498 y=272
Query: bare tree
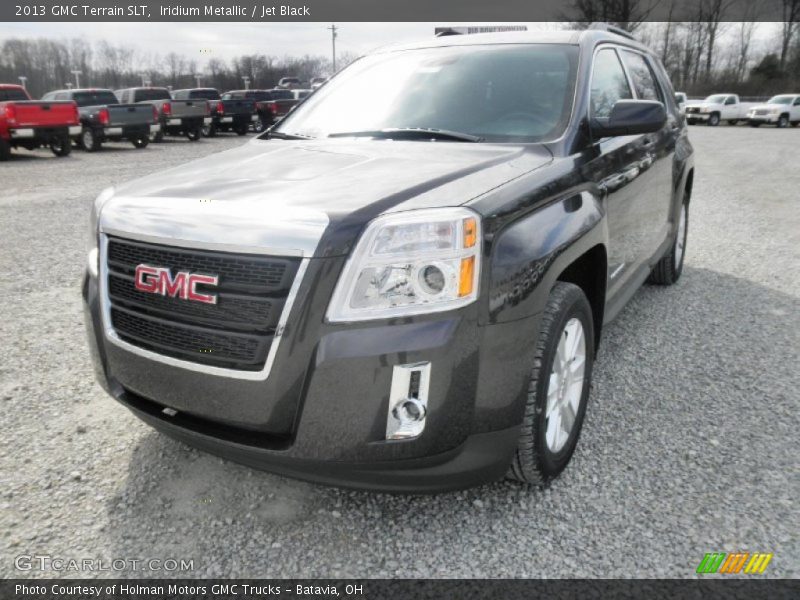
x=790 y=10
x=713 y=16
x=627 y=14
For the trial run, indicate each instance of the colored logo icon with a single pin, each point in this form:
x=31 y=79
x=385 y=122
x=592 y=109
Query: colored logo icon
x=735 y=562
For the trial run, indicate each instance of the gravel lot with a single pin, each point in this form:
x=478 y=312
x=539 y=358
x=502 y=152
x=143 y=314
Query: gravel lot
x=690 y=443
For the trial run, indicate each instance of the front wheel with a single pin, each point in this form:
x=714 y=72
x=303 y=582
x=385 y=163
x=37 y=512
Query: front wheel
x=668 y=270
x=140 y=142
x=61 y=145
x=558 y=389
x=259 y=125
x=783 y=121
x=713 y=120
x=90 y=141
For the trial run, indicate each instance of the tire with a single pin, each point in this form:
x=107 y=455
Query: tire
x=713 y=120
x=61 y=145
x=691 y=121
x=783 y=122
x=668 y=270
x=157 y=138
x=795 y=123
x=140 y=142
x=541 y=455
x=194 y=134
x=89 y=140
x=209 y=130
x=260 y=126
x=733 y=121
x=5 y=150
x=241 y=129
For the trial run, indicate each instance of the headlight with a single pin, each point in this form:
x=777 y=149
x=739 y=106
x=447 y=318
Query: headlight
x=92 y=256
x=411 y=263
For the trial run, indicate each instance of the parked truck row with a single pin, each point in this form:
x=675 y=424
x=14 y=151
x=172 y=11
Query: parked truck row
x=782 y=110
x=88 y=118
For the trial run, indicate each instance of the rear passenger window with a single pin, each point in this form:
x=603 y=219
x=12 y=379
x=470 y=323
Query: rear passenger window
x=643 y=79
x=609 y=83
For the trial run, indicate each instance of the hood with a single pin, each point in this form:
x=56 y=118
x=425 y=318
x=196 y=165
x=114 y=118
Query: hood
x=282 y=195
x=768 y=107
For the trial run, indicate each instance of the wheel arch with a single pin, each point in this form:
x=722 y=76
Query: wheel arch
x=589 y=272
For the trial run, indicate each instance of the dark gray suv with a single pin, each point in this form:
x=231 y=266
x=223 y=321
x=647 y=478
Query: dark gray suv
x=403 y=284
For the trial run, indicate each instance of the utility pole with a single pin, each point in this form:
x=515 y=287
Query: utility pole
x=77 y=78
x=246 y=80
x=333 y=28
x=22 y=80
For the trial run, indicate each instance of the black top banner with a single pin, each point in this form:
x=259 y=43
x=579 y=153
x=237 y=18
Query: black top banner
x=367 y=10
x=401 y=589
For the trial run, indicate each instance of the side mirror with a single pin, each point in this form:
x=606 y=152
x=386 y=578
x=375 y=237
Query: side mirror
x=678 y=99
x=630 y=117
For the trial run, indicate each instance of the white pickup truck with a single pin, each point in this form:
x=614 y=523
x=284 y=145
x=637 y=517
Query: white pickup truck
x=781 y=110
x=716 y=108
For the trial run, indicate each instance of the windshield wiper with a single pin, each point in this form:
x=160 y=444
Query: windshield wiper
x=413 y=132
x=279 y=135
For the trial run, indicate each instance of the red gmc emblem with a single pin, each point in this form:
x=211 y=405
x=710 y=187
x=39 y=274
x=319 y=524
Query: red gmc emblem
x=158 y=280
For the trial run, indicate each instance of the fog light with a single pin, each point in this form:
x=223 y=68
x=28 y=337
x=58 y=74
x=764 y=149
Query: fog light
x=408 y=401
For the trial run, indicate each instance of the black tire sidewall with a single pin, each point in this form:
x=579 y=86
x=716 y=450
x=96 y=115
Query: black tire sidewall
x=678 y=269
x=782 y=122
x=576 y=306
x=91 y=136
x=713 y=120
x=5 y=150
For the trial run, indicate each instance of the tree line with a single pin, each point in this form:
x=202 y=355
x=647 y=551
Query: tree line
x=709 y=51
x=48 y=64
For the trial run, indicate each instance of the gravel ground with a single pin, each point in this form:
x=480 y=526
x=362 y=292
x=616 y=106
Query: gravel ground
x=690 y=442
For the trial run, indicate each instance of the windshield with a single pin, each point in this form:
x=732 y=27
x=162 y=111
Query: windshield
x=499 y=93
x=718 y=99
x=97 y=98
x=152 y=94
x=12 y=94
x=204 y=94
x=780 y=100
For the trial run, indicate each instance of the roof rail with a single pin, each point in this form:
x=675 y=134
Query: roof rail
x=612 y=29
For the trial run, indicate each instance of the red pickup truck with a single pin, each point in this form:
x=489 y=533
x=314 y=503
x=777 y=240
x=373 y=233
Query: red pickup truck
x=30 y=124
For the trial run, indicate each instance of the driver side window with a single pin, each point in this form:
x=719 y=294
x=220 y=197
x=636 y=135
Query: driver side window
x=609 y=83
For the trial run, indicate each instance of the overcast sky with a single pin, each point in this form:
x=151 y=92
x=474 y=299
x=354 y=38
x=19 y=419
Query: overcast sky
x=226 y=40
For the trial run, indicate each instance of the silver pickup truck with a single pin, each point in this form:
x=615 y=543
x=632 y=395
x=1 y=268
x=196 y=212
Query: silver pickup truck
x=104 y=119
x=177 y=117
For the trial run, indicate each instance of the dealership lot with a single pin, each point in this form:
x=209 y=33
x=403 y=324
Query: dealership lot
x=690 y=443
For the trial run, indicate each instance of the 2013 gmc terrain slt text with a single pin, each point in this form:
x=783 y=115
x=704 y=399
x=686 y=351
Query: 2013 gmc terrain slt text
x=404 y=293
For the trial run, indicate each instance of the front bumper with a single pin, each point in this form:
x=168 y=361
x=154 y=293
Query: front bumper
x=321 y=414
x=698 y=116
x=763 y=118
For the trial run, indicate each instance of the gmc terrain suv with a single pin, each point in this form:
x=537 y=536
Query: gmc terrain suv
x=405 y=297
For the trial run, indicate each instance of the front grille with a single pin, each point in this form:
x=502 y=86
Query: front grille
x=235 y=333
x=692 y=110
x=762 y=112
